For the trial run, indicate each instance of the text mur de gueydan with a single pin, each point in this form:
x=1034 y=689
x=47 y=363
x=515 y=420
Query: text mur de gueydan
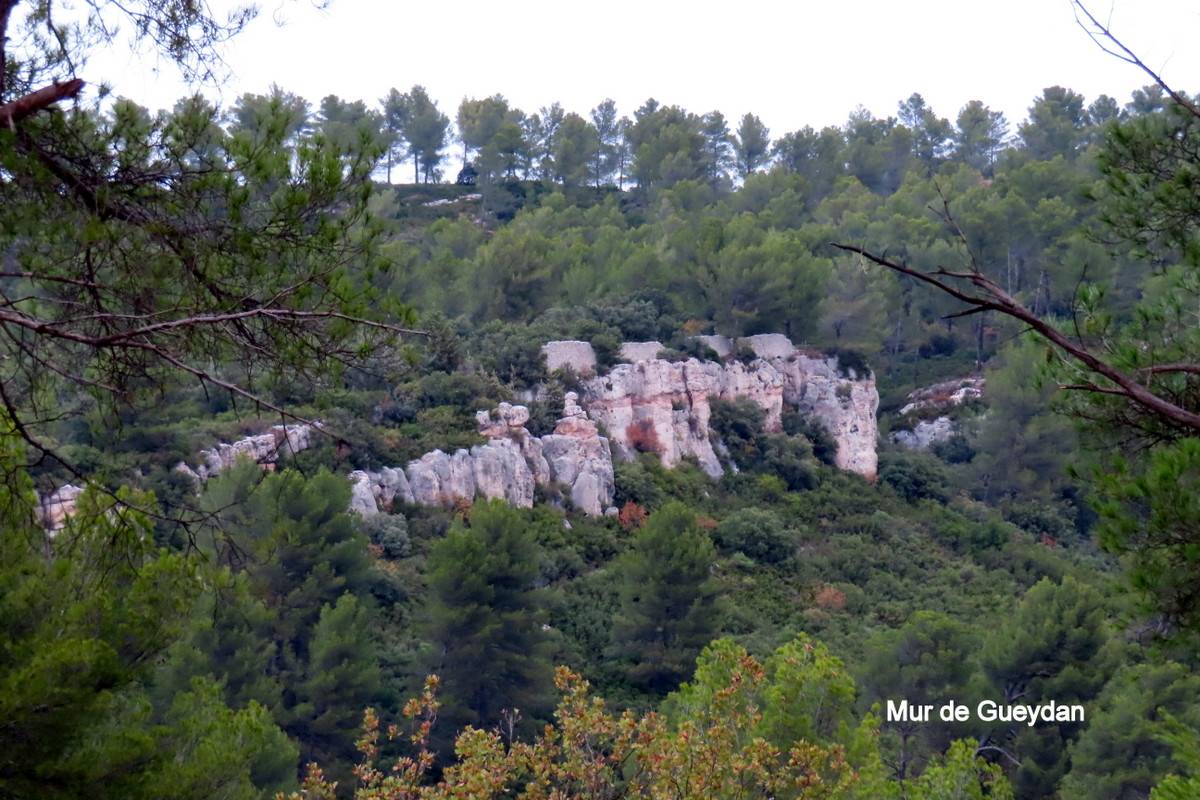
x=985 y=711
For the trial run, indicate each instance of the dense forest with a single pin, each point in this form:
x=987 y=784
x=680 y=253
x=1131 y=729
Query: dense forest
x=172 y=280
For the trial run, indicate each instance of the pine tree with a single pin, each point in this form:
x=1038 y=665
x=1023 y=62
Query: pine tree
x=341 y=679
x=485 y=621
x=669 y=604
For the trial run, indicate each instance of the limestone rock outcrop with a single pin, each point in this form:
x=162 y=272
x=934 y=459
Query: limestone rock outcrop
x=650 y=405
x=945 y=395
x=580 y=460
x=634 y=352
x=664 y=407
x=54 y=509
x=845 y=404
x=508 y=467
x=264 y=448
x=721 y=345
x=579 y=357
x=925 y=433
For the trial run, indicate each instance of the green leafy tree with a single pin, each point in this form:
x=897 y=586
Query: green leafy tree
x=1056 y=125
x=927 y=661
x=757 y=532
x=350 y=125
x=341 y=677
x=931 y=134
x=719 y=153
x=395 y=111
x=1185 y=750
x=202 y=245
x=961 y=775
x=670 y=607
x=607 y=158
x=668 y=145
x=577 y=139
x=302 y=611
x=426 y=129
x=814 y=155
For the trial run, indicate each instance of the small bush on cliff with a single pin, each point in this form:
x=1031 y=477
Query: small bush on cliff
x=824 y=446
x=739 y=425
x=851 y=363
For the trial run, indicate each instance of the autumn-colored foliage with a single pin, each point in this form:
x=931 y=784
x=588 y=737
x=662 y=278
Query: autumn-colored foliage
x=642 y=437
x=631 y=515
x=831 y=598
x=588 y=752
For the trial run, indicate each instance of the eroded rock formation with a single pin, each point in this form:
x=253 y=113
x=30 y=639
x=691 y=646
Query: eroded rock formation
x=54 y=509
x=650 y=405
x=664 y=407
x=945 y=395
x=264 y=448
x=577 y=356
x=926 y=433
x=509 y=467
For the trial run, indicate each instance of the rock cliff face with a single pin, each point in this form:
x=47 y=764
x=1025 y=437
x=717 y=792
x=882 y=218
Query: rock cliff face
x=846 y=406
x=54 y=509
x=663 y=407
x=574 y=458
x=650 y=405
x=265 y=448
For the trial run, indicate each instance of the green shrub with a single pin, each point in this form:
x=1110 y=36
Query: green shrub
x=389 y=532
x=915 y=476
x=635 y=483
x=851 y=363
x=791 y=458
x=824 y=446
x=739 y=425
x=757 y=532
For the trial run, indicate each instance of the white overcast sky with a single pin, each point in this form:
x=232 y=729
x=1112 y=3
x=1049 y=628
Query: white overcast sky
x=792 y=63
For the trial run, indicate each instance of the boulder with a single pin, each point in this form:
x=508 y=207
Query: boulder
x=501 y=472
x=578 y=356
x=769 y=345
x=264 y=448
x=362 y=495
x=945 y=395
x=634 y=352
x=925 y=433
x=436 y=478
x=721 y=345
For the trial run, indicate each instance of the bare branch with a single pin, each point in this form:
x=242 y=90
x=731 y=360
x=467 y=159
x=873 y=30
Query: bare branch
x=1106 y=41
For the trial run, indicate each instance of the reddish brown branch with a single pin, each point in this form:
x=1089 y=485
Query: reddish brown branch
x=22 y=107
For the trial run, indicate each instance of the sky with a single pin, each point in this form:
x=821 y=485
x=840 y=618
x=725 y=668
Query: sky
x=792 y=63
